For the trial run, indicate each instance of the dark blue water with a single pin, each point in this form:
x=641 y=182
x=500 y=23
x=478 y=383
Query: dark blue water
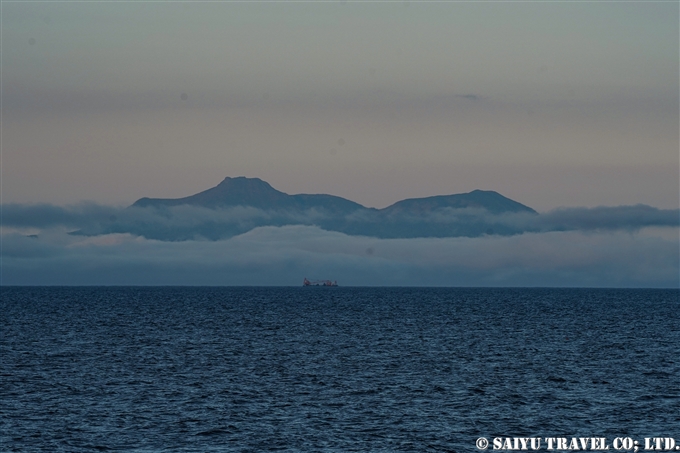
x=332 y=369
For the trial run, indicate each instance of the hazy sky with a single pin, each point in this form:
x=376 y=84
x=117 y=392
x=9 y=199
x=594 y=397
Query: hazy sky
x=551 y=104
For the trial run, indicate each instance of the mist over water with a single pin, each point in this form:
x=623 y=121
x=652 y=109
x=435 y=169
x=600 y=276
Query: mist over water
x=332 y=369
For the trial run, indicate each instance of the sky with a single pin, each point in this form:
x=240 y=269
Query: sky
x=552 y=104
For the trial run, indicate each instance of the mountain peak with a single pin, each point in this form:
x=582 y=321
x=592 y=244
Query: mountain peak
x=256 y=193
x=242 y=180
x=230 y=192
x=243 y=183
x=477 y=199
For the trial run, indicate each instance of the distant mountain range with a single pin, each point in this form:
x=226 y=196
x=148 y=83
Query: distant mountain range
x=241 y=204
x=256 y=193
x=238 y=205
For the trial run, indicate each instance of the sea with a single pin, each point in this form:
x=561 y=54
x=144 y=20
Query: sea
x=293 y=369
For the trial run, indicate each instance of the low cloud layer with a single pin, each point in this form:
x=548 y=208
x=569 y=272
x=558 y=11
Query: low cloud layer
x=625 y=246
x=284 y=255
x=181 y=223
x=609 y=218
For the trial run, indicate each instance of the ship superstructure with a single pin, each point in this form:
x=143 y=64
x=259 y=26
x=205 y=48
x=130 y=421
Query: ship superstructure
x=306 y=282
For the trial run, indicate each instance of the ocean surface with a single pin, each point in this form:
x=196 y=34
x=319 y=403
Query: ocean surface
x=142 y=369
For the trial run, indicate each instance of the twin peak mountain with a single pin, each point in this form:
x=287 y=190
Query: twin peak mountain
x=256 y=193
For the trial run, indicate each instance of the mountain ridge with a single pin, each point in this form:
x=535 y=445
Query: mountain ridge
x=214 y=214
x=257 y=193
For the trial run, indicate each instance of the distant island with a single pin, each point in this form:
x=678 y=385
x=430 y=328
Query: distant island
x=256 y=193
x=238 y=205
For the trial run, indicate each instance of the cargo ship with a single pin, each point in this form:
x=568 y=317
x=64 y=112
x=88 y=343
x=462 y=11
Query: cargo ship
x=306 y=282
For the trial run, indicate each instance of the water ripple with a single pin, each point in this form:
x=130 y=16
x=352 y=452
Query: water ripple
x=332 y=369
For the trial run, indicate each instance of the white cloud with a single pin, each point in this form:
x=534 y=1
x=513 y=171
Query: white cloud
x=191 y=222
x=284 y=255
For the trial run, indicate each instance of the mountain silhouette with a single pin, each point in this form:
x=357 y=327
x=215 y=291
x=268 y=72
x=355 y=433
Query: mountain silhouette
x=477 y=199
x=238 y=205
x=256 y=193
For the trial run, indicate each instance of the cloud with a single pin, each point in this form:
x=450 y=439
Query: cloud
x=609 y=218
x=284 y=255
x=179 y=223
x=44 y=215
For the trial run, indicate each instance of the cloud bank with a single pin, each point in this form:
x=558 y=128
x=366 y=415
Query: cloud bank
x=284 y=255
x=181 y=223
x=624 y=246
